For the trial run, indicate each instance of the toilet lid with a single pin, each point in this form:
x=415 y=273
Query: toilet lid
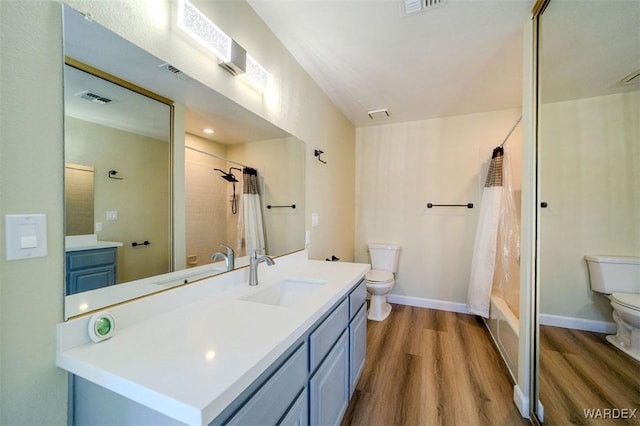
x=630 y=300
x=379 y=276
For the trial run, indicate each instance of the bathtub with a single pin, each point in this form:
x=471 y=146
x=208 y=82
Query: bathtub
x=503 y=326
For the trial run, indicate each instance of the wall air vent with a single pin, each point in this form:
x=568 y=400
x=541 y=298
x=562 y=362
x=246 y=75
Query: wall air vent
x=93 y=97
x=634 y=77
x=410 y=7
x=175 y=71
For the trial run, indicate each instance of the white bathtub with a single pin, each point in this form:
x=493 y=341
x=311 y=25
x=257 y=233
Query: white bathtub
x=503 y=326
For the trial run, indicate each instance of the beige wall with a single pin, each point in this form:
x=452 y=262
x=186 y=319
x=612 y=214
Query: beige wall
x=590 y=176
x=402 y=167
x=282 y=183
x=141 y=198
x=34 y=391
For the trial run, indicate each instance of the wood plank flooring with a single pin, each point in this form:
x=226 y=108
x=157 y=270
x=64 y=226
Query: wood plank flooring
x=430 y=367
x=580 y=370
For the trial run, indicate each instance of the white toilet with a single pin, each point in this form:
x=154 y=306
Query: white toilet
x=619 y=278
x=380 y=279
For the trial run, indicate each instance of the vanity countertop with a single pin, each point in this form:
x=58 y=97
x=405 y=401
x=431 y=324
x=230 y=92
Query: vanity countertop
x=87 y=242
x=191 y=351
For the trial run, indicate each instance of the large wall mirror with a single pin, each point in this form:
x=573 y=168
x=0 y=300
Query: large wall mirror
x=151 y=201
x=589 y=178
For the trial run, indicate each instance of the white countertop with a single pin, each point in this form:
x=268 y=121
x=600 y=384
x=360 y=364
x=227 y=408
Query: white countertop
x=87 y=242
x=161 y=353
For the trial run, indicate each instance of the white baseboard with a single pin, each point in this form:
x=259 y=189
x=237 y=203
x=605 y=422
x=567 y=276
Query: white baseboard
x=428 y=303
x=545 y=319
x=578 y=323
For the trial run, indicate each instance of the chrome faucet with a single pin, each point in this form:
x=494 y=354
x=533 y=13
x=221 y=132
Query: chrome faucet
x=229 y=257
x=254 y=261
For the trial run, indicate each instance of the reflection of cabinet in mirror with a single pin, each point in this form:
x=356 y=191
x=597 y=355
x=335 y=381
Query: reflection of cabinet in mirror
x=91 y=269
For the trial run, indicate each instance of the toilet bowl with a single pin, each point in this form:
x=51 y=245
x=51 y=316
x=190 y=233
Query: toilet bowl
x=619 y=279
x=380 y=279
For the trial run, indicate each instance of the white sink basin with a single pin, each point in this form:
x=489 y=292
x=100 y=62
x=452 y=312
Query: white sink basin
x=285 y=293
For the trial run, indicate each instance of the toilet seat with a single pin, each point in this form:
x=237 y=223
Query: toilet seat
x=628 y=300
x=379 y=277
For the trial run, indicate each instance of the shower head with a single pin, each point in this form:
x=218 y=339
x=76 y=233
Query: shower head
x=229 y=177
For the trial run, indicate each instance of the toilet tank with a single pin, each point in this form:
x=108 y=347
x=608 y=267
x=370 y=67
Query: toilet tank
x=609 y=274
x=384 y=257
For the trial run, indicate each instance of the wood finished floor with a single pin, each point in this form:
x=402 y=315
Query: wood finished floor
x=580 y=370
x=430 y=367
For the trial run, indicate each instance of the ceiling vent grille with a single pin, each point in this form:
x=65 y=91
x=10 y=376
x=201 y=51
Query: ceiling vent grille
x=379 y=114
x=410 y=7
x=175 y=71
x=93 y=97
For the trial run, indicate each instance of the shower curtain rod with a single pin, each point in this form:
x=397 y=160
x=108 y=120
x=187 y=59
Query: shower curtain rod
x=217 y=156
x=510 y=131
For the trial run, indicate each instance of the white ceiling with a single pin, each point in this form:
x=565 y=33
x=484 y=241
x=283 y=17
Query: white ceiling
x=461 y=57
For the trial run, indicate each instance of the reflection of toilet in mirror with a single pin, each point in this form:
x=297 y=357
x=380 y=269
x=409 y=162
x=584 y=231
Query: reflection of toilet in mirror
x=618 y=277
x=380 y=280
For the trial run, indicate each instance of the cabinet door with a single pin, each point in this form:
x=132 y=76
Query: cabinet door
x=272 y=401
x=298 y=415
x=91 y=279
x=357 y=347
x=329 y=386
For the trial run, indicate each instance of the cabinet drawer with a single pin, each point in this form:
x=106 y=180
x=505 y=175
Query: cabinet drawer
x=323 y=338
x=274 y=398
x=356 y=298
x=89 y=258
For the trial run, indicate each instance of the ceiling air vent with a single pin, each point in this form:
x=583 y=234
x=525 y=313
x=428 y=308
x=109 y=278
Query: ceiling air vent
x=634 y=77
x=93 y=97
x=379 y=114
x=410 y=7
x=175 y=71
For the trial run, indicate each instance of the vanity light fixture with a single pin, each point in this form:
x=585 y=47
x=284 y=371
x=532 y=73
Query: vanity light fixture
x=237 y=63
x=256 y=75
x=200 y=28
x=231 y=56
x=208 y=131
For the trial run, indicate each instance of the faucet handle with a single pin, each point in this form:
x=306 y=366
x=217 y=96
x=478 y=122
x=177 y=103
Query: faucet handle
x=229 y=249
x=254 y=252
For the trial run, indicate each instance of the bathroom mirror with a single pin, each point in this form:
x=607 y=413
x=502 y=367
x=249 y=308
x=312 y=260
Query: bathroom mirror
x=589 y=175
x=178 y=188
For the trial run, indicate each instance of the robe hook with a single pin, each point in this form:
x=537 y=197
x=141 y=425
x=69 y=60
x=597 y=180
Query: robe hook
x=318 y=153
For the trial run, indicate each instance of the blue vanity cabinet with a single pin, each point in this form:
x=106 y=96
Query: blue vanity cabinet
x=90 y=269
x=357 y=334
x=281 y=397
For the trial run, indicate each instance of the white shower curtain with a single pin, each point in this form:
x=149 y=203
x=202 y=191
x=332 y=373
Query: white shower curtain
x=484 y=250
x=250 y=227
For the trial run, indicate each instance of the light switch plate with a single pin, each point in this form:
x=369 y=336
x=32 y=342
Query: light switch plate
x=26 y=236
